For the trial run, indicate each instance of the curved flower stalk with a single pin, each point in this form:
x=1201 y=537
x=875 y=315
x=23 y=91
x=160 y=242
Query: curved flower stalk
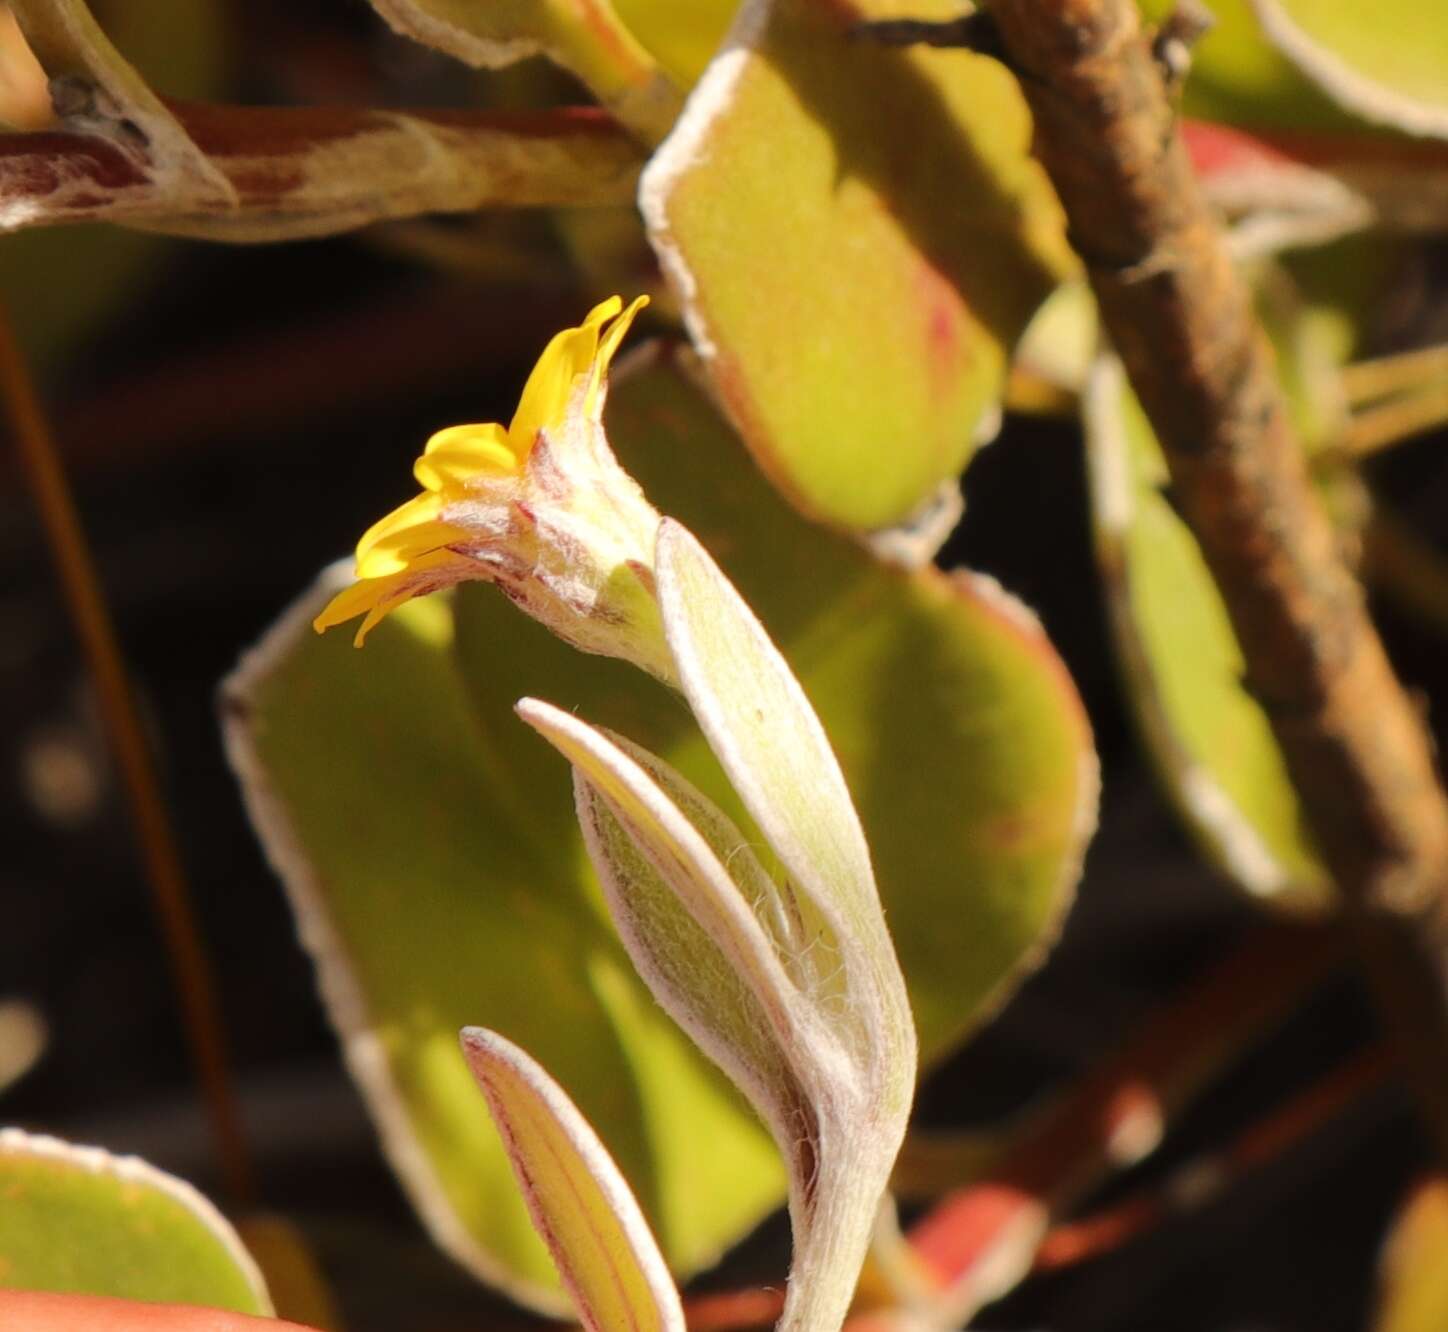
x=787 y=981
x=539 y=507
x=785 y=977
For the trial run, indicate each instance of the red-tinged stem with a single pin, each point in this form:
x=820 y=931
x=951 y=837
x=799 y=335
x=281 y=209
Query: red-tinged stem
x=281 y=172
x=201 y=1013
x=729 y=1309
x=981 y=1238
x=1278 y=1133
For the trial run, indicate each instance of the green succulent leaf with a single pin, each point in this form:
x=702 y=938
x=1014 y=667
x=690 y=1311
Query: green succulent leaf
x=407 y=842
x=1386 y=62
x=429 y=843
x=698 y=933
x=1238 y=76
x=1211 y=741
x=77 y=1220
x=962 y=739
x=804 y=154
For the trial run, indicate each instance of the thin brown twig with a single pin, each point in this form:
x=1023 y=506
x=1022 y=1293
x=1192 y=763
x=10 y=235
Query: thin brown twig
x=157 y=843
x=980 y=1239
x=1208 y=1176
x=973 y=1244
x=1182 y=319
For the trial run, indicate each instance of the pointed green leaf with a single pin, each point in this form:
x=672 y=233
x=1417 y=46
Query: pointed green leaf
x=765 y=734
x=827 y=1061
x=804 y=155
x=688 y=923
x=1386 y=62
x=1211 y=741
x=695 y=930
x=430 y=845
x=81 y=1221
x=580 y=1204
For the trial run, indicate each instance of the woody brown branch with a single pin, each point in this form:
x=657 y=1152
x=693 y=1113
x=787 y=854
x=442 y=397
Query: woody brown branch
x=1182 y=320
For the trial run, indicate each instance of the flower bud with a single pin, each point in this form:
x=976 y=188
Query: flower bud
x=541 y=508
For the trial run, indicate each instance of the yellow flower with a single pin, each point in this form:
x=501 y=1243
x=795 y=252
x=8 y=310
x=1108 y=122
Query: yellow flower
x=541 y=508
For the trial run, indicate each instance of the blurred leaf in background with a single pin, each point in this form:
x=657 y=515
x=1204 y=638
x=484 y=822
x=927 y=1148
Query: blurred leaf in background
x=79 y=1220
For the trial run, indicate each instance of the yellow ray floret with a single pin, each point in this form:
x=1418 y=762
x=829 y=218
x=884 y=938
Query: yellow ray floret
x=411 y=551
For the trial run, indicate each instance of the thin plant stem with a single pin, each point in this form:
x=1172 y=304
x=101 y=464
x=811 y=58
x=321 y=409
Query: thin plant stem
x=1379 y=427
x=981 y=1238
x=156 y=840
x=1208 y=1177
x=1368 y=381
x=978 y=1241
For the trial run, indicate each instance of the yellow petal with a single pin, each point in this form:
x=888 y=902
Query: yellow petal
x=616 y=333
x=402 y=549
x=384 y=607
x=419 y=510
x=378 y=597
x=455 y=455
x=352 y=601
x=549 y=387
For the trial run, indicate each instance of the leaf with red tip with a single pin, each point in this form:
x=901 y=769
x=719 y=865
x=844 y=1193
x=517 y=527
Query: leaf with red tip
x=580 y=1204
x=806 y=154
